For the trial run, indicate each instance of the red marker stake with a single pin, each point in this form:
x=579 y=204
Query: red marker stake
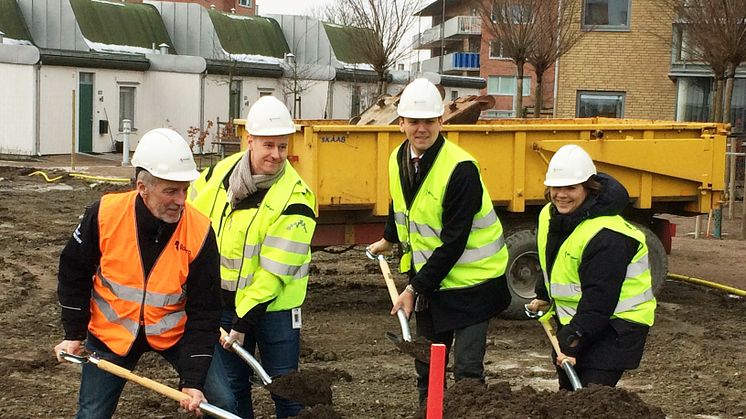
x=435 y=382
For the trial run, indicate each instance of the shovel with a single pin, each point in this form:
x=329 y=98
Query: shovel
x=393 y=293
x=145 y=382
x=296 y=386
x=544 y=319
x=249 y=359
x=420 y=348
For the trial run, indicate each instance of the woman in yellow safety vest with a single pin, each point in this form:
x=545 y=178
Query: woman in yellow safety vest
x=596 y=271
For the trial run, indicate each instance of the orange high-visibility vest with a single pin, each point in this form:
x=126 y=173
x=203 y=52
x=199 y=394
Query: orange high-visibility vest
x=123 y=300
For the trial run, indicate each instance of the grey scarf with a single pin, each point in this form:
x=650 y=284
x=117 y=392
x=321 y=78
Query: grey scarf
x=242 y=183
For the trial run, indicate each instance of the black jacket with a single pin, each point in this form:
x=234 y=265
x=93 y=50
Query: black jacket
x=454 y=308
x=80 y=259
x=601 y=342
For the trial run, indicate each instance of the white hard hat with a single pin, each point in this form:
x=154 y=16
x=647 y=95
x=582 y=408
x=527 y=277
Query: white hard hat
x=269 y=117
x=570 y=165
x=165 y=154
x=420 y=100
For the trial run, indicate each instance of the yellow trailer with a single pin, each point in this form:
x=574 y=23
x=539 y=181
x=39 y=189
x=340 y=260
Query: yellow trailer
x=667 y=167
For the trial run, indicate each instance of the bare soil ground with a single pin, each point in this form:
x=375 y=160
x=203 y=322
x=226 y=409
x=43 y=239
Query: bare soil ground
x=693 y=366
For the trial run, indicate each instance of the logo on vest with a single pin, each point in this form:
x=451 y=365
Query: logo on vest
x=298 y=224
x=182 y=247
x=571 y=256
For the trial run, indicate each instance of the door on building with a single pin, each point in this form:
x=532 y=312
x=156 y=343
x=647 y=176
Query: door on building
x=85 y=113
x=234 y=101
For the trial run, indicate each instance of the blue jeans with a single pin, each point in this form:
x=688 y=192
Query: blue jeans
x=100 y=390
x=279 y=346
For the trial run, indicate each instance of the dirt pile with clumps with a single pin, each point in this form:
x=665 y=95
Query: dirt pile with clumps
x=470 y=399
x=312 y=387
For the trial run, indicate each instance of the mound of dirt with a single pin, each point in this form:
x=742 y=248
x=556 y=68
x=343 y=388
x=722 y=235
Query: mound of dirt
x=470 y=399
x=311 y=387
x=321 y=411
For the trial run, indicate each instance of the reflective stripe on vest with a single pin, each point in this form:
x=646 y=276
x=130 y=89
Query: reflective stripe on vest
x=636 y=300
x=122 y=299
x=419 y=227
x=247 y=249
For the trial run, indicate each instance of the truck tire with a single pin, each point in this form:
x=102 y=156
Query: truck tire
x=656 y=257
x=522 y=272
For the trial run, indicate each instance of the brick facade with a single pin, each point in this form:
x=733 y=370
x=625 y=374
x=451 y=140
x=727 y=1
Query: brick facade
x=506 y=67
x=487 y=66
x=222 y=5
x=635 y=62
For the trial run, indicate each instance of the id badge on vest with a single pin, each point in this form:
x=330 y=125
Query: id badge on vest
x=296 y=318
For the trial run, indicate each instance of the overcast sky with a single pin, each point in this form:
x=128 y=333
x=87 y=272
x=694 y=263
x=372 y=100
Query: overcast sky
x=305 y=7
x=288 y=7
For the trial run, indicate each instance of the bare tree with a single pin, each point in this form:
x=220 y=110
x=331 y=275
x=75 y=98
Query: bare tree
x=299 y=78
x=381 y=24
x=555 y=31
x=712 y=32
x=511 y=23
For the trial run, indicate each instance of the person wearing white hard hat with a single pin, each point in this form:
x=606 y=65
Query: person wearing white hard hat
x=452 y=240
x=597 y=281
x=140 y=273
x=265 y=217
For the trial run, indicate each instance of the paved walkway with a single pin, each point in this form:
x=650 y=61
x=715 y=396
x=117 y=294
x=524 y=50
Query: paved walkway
x=104 y=164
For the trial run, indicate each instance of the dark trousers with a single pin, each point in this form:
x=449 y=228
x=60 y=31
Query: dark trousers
x=468 y=345
x=590 y=376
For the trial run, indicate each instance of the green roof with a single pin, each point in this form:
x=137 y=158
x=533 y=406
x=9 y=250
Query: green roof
x=119 y=23
x=249 y=35
x=345 y=42
x=12 y=23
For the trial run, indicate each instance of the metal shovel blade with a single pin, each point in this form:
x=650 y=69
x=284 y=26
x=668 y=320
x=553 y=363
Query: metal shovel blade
x=419 y=349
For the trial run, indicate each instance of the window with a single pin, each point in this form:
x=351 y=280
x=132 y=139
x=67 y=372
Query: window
x=244 y=3
x=683 y=50
x=608 y=104
x=515 y=13
x=605 y=15
x=234 y=100
x=454 y=94
x=496 y=50
x=506 y=85
x=355 y=101
x=126 y=106
x=694 y=101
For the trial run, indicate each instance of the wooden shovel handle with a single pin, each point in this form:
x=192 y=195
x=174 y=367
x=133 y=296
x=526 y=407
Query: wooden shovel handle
x=550 y=334
x=393 y=292
x=128 y=375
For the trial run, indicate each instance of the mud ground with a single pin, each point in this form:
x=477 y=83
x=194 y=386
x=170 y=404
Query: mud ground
x=693 y=366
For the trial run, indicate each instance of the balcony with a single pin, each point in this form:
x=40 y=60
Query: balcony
x=455 y=29
x=453 y=62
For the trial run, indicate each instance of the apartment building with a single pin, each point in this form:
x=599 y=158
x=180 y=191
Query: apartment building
x=460 y=43
x=631 y=64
